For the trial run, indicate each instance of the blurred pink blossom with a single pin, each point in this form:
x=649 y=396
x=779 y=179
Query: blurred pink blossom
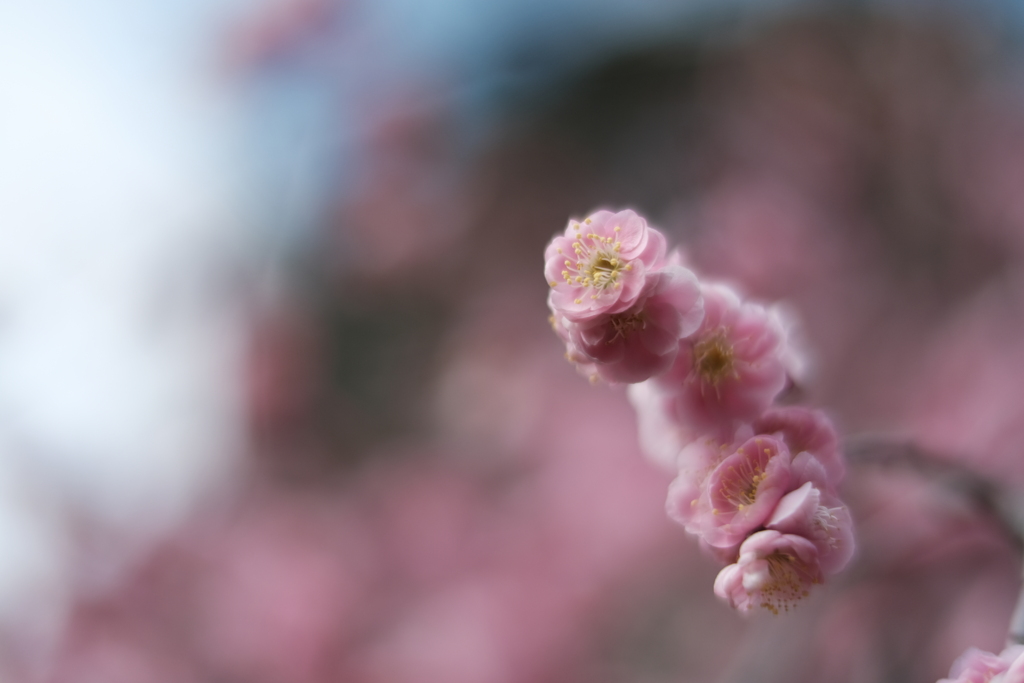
x=769 y=234
x=730 y=369
x=281 y=591
x=978 y=666
x=965 y=401
x=661 y=437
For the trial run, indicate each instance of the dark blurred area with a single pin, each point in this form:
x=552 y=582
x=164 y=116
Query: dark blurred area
x=428 y=492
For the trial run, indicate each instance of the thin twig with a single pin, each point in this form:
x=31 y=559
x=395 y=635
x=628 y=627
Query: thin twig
x=990 y=499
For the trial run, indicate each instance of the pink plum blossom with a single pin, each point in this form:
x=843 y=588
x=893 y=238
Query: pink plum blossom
x=730 y=369
x=1014 y=654
x=774 y=571
x=739 y=494
x=978 y=666
x=806 y=430
x=821 y=518
x=643 y=340
x=600 y=265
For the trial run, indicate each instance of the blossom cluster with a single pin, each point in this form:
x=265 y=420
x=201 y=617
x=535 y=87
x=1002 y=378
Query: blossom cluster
x=755 y=482
x=978 y=666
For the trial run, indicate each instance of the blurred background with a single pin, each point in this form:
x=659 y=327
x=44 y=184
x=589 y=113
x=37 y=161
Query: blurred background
x=279 y=402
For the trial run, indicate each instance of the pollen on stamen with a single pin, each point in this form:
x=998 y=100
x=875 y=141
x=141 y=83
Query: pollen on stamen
x=578 y=301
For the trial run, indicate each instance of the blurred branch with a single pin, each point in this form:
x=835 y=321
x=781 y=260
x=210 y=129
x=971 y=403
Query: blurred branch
x=997 y=503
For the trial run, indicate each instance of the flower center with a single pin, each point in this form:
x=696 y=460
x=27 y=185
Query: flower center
x=785 y=585
x=598 y=265
x=625 y=324
x=826 y=526
x=740 y=489
x=604 y=270
x=713 y=358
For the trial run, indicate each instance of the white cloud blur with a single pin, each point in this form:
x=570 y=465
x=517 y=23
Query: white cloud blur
x=121 y=242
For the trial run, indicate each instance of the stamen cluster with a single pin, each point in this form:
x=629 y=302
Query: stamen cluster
x=756 y=483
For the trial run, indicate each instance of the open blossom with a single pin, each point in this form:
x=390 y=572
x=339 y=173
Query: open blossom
x=730 y=369
x=600 y=265
x=822 y=519
x=739 y=494
x=744 y=489
x=978 y=666
x=773 y=571
x=643 y=340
